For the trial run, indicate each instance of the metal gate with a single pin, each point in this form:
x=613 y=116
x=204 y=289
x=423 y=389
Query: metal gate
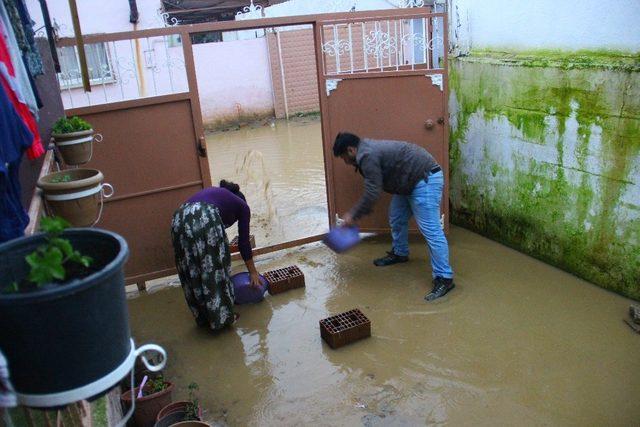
x=378 y=75
x=382 y=78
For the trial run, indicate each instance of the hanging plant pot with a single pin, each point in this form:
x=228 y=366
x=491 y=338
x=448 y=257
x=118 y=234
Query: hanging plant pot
x=74 y=138
x=76 y=195
x=76 y=148
x=66 y=341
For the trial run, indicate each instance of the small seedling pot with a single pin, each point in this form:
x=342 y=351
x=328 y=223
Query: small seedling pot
x=76 y=148
x=76 y=195
x=174 y=413
x=71 y=341
x=148 y=407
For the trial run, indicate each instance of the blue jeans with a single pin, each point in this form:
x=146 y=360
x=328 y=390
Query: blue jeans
x=424 y=203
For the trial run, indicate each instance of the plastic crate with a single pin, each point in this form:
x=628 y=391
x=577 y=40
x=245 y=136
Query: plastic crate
x=233 y=245
x=284 y=279
x=345 y=328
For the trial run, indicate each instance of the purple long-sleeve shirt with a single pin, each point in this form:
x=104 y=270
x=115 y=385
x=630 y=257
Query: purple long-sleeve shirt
x=232 y=208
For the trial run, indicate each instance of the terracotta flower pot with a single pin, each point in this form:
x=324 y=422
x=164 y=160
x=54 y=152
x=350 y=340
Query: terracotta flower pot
x=148 y=407
x=75 y=195
x=174 y=413
x=75 y=148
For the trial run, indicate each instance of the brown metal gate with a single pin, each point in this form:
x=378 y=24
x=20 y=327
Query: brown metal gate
x=153 y=150
x=382 y=78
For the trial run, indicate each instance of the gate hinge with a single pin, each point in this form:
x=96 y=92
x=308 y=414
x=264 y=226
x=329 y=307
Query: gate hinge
x=202 y=147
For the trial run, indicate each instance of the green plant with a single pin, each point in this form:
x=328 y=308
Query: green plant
x=193 y=407
x=61 y=178
x=156 y=385
x=48 y=261
x=72 y=124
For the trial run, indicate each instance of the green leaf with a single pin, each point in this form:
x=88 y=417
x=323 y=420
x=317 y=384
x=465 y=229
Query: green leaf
x=53 y=225
x=46 y=267
x=86 y=261
x=64 y=245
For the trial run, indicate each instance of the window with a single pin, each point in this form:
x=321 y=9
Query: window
x=98 y=64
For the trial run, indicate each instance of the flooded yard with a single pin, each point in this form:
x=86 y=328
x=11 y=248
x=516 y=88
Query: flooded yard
x=280 y=169
x=517 y=341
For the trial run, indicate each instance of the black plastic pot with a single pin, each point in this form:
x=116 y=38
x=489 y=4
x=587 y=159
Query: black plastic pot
x=69 y=341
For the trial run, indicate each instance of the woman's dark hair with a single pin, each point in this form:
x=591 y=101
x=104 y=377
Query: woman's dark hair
x=343 y=141
x=233 y=187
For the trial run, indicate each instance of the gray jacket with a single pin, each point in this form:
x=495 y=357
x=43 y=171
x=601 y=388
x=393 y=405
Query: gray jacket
x=392 y=166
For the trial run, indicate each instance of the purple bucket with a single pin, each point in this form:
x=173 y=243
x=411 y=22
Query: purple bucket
x=341 y=239
x=244 y=293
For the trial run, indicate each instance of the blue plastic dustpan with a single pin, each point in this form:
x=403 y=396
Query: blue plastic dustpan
x=341 y=239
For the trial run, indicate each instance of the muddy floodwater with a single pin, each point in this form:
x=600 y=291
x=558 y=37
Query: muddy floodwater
x=280 y=169
x=517 y=342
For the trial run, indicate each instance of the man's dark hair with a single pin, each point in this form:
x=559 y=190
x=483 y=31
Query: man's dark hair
x=343 y=141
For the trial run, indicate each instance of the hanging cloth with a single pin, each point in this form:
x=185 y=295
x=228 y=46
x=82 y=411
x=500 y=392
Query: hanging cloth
x=23 y=30
x=7 y=73
x=19 y=78
x=15 y=138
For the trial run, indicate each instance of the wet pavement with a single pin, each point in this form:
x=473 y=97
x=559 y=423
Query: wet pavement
x=516 y=343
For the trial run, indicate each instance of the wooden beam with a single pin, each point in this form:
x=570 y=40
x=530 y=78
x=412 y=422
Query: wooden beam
x=84 y=71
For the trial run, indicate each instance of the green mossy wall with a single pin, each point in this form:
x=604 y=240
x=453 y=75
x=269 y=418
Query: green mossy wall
x=545 y=157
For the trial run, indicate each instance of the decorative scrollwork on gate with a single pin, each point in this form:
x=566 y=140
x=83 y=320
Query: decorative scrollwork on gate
x=250 y=9
x=380 y=44
x=411 y=3
x=336 y=47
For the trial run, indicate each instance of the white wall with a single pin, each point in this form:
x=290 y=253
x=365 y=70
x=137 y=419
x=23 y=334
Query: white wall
x=98 y=16
x=233 y=79
x=546 y=24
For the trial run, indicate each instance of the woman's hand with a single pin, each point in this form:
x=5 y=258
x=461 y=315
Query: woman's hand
x=255 y=279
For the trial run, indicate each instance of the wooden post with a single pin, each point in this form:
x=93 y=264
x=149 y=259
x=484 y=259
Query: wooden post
x=80 y=42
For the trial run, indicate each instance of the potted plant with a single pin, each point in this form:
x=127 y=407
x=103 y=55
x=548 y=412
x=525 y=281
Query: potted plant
x=64 y=324
x=156 y=394
x=75 y=195
x=177 y=412
x=73 y=138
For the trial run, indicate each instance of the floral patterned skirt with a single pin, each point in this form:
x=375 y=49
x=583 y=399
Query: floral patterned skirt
x=203 y=261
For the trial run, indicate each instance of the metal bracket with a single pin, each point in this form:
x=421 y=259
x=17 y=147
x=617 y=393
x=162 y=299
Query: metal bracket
x=332 y=84
x=436 y=80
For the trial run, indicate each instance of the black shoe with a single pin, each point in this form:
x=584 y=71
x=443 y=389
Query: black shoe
x=440 y=288
x=390 y=259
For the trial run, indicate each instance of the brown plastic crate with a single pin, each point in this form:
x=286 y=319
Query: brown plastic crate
x=345 y=328
x=233 y=245
x=284 y=279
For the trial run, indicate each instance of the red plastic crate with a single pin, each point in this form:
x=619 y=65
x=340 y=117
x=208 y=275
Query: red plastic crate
x=233 y=245
x=284 y=279
x=345 y=328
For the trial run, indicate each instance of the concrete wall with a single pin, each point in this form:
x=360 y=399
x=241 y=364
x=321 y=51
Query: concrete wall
x=545 y=137
x=234 y=81
x=545 y=24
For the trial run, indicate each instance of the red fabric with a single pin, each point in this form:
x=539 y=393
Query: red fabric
x=36 y=150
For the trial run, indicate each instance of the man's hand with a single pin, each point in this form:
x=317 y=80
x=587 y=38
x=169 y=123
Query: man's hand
x=347 y=220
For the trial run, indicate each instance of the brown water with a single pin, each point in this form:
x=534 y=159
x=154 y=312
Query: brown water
x=516 y=343
x=280 y=169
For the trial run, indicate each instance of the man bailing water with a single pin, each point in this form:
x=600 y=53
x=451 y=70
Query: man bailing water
x=415 y=179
